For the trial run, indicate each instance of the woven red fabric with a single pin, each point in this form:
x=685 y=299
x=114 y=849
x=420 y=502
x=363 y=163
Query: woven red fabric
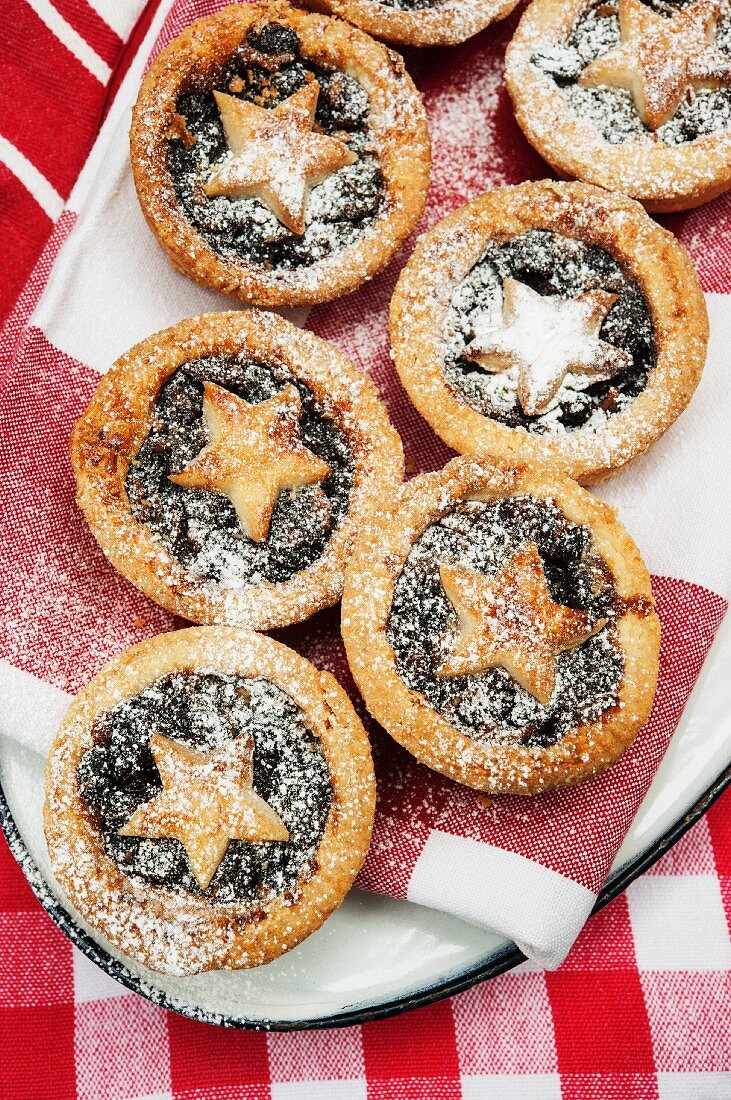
x=627 y=1015
x=50 y=106
x=72 y=590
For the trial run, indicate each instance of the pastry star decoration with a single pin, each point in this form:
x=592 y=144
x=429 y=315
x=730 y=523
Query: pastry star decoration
x=206 y=801
x=660 y=59
x=545 y=337
x=509 y=621
x=275 y=155
x=255 y=452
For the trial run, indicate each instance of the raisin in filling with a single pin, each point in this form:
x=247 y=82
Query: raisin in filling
x=611 y=110
x=491 y=706
x=201 y=528
x=203 y=711
x=550 y=264
x=266 y=69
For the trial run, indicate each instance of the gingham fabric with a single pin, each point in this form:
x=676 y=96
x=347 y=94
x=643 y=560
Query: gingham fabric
x=639 y=1008
x=639 y=1011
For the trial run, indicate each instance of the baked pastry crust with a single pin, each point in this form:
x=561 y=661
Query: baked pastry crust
x=379 y=557
x=396 y=118
x=184 y=933
x=119 y=417
x=443 y=24
x=648 y=254
x=663 y=177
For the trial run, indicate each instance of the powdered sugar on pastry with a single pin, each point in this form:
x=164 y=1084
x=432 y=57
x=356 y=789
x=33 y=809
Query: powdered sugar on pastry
x=348 y=190
x=418 y=22
x=183 y=544
x=530 y=545
x=645 y=110
x=545 y=338
x=208 y=688
x=563 y=240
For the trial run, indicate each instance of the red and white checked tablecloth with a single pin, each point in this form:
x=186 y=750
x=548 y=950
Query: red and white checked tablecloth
x=641 y=1006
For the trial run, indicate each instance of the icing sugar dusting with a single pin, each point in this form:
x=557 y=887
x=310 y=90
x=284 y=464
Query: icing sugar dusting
x=546 y=337
x=205 y=712
x=311 y=764
x=554 y=266
x=200 y=527
x=422 y=626
x=612 y=110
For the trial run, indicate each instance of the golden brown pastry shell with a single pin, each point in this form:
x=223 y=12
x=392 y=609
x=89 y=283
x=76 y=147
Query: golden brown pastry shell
x=397 y=120
x=444 y=24
x=119 y=417
x=173 y=931
x=375 y=566
x=649 y=254
x=662 y=177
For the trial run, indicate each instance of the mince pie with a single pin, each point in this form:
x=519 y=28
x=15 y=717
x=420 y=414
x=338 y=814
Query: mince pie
x=279 y=156
x=209 y=800
x=418 y=22
x=225 y=464
x=499 y=623
x=550 y=321
x=634 y=95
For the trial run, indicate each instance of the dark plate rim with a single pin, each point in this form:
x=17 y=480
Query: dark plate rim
x=504 y=959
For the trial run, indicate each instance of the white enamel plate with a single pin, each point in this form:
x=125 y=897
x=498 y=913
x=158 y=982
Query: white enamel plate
x=376 y=956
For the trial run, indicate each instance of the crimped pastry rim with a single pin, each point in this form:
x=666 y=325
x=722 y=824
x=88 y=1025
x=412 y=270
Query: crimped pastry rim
x=119 y=416
x=664 y=178
x=397 y=116
x=445 y=24
x=210 y=937
x=376 y=564
x=650 y=255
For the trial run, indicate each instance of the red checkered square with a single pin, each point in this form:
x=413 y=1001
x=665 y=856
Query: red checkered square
x=488 y=1018
x=216 y=1063
x=37 y=1045
x=37 y=970
x=121 y=1049
x=600 y=1022
x=16 y=895
x=718 y=821
x=609 y=1086
x=412 y=1057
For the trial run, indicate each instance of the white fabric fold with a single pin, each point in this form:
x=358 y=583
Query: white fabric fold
x=540 y=909
x=31 y=710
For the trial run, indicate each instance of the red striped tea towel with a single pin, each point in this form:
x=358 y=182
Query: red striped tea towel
x=530 y=870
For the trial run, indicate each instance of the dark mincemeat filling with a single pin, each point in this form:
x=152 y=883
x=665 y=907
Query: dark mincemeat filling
x=201 y=528
x=550 y=264
x=491 y=706
x=412 y=5
x=203 y=711
x=612 y=110
x=267 y=69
